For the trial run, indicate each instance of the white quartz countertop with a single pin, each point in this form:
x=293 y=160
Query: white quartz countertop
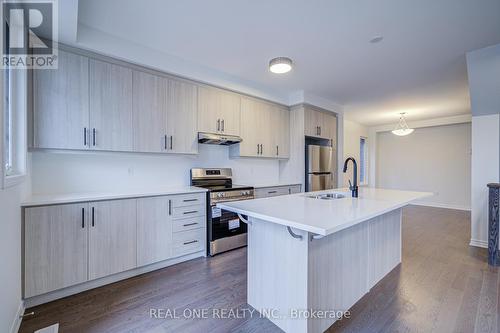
x=53 y=199
x=324 y=217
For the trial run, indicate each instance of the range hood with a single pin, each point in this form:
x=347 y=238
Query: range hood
x=218 y=139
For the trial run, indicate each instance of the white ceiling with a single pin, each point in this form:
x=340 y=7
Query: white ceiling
x=419 y=67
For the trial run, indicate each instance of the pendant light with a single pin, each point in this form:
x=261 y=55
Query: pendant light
x=402 y=128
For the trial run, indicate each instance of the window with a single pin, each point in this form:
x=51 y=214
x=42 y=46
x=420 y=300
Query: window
x=13 y=138
x=7 y=124
x=363 y=161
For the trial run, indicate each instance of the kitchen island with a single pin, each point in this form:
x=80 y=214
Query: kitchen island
x=312 y=256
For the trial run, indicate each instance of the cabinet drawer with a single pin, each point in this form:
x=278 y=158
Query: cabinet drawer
x=188 y=200
x=188 y=211
x=189 y=224
x=186 y=242
x=271 y=192
x=294 y=189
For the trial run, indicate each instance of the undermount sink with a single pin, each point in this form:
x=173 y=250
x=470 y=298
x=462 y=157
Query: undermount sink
x=327 y=196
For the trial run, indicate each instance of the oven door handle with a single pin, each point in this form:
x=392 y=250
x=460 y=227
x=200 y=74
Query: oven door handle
x=244 y=219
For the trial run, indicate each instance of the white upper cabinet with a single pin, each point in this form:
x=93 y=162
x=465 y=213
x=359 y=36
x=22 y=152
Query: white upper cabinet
x=281 y=117
x=265 y=130
x=111 y=116
x=97 y=103
x=254 y=129
x=319 y=124
x=150 y=112
x=182 y=110
x=218 y=111
x=60 y=104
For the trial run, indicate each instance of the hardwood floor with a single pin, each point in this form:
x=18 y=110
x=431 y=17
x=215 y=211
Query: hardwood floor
x=442 y=285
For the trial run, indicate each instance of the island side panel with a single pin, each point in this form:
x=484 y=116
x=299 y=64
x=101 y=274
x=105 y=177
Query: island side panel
x=384 y=245
x=338 y=272
x=277 y=273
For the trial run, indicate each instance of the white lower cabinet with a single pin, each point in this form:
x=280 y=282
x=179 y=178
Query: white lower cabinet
x=112 y=237
x=55 y=251
x=70 y=244
x=267 y=192
x=154 y=230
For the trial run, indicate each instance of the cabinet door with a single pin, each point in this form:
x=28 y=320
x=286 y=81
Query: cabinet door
x=55 y=247
x=329 y=127
x=218 y=111
x=252 y=131
x=312 y=120
x=150 y=112
x=230 y=105
x=294 y=189
x=182 y=117
x=112 y=237
x=284 y=142
x=281 y=131
x=154 y=230
x=60 y=104
x=111 y=119
x=208 y=110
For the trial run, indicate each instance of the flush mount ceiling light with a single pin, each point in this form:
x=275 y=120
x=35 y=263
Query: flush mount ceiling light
x=402 y=128
x=280 y=65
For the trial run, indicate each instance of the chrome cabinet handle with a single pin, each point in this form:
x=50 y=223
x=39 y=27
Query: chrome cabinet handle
x=171 y=142
x=277 y=150
x=191 y=242
x=85 y=136
x=189 y=200
x=165 y=142
x=222 y=125
x=218 y=125
x=93 y=216
x=189 y=224
x=169 y=207
x=258 y=149
x=190 y=212
x=319 y=130
x=271 y=192
x=93 y=137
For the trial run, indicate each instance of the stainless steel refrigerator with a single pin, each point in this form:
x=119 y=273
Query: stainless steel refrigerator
x=320 y=168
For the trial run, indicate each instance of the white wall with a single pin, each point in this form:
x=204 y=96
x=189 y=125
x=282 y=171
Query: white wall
x=483 y=70
x=432 y=159
x=63 y=172
x=10 y=258
x=485 y=169
x=352 y=133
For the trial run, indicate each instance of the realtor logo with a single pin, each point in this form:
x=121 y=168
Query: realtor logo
x=29 y=34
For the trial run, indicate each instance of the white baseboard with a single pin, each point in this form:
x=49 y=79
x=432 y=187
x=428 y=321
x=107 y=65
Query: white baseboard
x=441 y=205
x=16 y=323
x=57 y=294
x=478 y=243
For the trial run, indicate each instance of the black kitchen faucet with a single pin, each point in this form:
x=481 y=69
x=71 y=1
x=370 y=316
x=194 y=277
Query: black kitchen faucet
x=353 y=187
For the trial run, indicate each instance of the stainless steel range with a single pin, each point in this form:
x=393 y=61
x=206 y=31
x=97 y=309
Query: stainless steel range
x=225 y=229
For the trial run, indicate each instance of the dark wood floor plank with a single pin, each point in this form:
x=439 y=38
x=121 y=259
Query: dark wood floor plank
x=442 y=285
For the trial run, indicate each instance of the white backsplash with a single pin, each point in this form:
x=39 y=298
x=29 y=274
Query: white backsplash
x=67 y=172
